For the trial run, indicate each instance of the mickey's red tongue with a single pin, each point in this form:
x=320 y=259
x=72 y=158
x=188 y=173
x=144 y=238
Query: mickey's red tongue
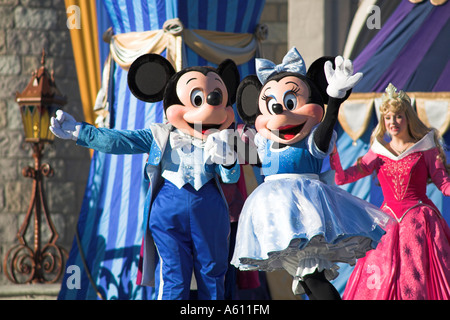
x=288 y=136
x=207 y=127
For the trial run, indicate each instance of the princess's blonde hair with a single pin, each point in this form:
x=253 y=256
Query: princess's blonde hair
x=400 y=102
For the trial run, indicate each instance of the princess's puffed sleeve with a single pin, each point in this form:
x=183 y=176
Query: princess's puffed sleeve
x=314 y=149
x=362 y=168
x=437 y=171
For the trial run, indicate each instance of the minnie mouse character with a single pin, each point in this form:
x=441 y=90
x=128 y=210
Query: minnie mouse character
x=293 y=221
x=186 y=216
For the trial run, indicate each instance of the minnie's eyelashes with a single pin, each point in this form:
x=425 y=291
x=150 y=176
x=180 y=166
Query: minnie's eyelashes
x=295 y=89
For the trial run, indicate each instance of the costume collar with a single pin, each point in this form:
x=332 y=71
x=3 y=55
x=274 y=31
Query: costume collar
x=178 y=139
x=426 y=143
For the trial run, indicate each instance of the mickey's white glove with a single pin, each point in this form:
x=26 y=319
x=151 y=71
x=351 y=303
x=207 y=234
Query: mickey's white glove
x=342 y=79
x=217 y=148
x=65 y=126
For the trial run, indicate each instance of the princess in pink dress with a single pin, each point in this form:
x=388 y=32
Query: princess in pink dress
x=412 y=261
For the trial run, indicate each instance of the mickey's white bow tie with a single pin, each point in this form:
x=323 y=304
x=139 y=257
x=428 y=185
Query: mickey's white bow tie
x=179 y=139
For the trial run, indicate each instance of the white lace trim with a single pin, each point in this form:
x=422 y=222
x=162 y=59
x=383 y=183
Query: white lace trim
x=424 y=144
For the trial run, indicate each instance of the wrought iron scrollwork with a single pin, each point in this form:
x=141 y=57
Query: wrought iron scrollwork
x=36 y=264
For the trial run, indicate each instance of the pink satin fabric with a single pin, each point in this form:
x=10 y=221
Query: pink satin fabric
x=412 y=261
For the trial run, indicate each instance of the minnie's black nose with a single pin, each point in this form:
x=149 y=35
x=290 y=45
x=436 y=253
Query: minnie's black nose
x=214 y=98
x=277 y=108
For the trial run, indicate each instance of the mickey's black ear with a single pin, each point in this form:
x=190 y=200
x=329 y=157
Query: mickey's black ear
x=148 y=76
x=229 y=73
x=247 y=99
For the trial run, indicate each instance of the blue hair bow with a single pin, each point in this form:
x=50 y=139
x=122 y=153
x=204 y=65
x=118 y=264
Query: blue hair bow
x=292 y=62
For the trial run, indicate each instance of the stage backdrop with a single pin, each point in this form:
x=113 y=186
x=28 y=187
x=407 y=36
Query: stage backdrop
x=412 y=51
x=110 y=226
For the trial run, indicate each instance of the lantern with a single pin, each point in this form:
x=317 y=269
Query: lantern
x=38 y=103
x=36 y=262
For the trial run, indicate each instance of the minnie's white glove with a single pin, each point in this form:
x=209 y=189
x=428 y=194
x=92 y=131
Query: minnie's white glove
x=217 y=147
x=341 y=79
x=65 y=126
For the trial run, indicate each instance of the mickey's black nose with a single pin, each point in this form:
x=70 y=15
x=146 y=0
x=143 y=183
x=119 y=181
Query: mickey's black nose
x=214 y=98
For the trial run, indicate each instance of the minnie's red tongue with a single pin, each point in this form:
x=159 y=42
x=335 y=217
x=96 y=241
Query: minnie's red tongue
x=288 y=132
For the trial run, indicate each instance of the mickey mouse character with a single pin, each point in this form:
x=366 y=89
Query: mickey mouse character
x=294 y=221
x=187 y=221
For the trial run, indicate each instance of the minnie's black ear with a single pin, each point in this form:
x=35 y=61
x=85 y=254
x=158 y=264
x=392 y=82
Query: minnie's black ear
x=148 y=76
x=247 y=99
x=316 y=73
x=229 y=73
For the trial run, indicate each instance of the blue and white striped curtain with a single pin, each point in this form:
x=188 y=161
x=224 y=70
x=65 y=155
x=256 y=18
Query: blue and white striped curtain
x=110 y=225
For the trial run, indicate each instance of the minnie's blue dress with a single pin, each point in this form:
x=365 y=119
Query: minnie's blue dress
x=296 y=222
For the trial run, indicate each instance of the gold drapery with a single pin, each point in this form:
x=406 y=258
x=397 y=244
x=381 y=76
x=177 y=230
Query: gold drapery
x=434 y=110
x=86 y=52
x=433 y=2
x=125 y=48
x=354 y=116
x=214 y=46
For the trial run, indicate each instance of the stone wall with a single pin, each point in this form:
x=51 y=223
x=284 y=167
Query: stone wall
x=26 y=27
x=319 y=27
x=275 y=16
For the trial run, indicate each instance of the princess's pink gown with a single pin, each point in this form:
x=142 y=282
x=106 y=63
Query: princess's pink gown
x=412 y=261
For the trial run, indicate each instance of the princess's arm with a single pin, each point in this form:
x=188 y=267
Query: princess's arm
x=437 y=171
x=362 y=168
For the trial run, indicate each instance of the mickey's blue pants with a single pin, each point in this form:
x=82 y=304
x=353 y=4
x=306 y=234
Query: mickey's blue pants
x=190 y=229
